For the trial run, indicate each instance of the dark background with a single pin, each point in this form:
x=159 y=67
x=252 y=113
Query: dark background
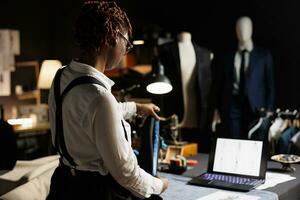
x=46 y=30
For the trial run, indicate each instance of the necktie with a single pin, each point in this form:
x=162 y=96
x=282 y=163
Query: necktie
x=242 y=73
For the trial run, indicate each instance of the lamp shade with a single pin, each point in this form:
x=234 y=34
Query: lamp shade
x=47 y=73
x=161 y=83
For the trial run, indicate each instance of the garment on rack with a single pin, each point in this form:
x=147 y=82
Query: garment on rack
x=281 y=130
x=261 y=129
x=255 y=128
x=274 y=131
x=294 y=146
x=285 y=138
x=278 y=127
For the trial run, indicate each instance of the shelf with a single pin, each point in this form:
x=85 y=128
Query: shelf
x=32 y=129
x=35 y=94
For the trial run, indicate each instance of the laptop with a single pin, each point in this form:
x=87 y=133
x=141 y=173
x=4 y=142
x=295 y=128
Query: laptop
x=235 y=164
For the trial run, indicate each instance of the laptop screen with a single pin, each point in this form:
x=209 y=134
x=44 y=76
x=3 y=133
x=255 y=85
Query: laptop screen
x=238 y=156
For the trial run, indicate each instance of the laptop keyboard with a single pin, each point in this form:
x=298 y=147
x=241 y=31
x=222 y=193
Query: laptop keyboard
x=230 y=179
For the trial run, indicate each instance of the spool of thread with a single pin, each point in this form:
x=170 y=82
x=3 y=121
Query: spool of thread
x=191 y=163
x=183 y=160
x=176 y=162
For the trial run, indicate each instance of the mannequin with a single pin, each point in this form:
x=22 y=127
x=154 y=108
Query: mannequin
x=188 y=67
x=188 y=76
x=246 y=84
x=244 y=30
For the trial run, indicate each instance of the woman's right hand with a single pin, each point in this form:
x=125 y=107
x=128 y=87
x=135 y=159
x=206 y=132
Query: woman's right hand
x=165 y=183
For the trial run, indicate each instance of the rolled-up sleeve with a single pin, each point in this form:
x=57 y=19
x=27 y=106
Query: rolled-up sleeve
x=116 y=152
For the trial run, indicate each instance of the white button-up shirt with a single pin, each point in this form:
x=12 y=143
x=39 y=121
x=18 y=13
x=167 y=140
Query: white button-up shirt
x=238 y=62
x=93 y=131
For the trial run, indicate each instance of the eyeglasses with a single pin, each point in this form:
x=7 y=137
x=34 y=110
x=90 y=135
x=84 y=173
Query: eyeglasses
x=129 y=46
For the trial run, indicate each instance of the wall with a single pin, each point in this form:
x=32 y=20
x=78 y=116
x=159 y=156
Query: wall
x=46 y=30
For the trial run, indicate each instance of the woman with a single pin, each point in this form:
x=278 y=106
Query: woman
x=87 y=123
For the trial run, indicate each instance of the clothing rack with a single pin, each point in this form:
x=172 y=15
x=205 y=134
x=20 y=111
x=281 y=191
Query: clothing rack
x=280 y=128
x=287 y=114
x=284 y=114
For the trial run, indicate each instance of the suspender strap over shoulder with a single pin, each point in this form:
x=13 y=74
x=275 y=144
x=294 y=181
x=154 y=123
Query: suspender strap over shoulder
x=60 y=144
x=58 y=116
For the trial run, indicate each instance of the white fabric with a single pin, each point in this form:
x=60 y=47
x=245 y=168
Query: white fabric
x=94 y=134
x=36 y=189
x=41 y=169
x=30 y=168
x=255 y=128
x=37 y=173
x=238 y=60
x=187 y=57
x=295 y=138
x=274 y=131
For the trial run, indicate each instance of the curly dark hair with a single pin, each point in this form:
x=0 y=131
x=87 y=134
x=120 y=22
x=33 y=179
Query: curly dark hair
x=99 y=23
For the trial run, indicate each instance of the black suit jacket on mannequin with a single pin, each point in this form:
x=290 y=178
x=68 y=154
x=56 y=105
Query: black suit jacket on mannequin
x=259 y=81
x=173 y=101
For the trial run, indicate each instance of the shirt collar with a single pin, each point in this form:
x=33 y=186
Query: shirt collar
x=88 y=69
x=248 y=46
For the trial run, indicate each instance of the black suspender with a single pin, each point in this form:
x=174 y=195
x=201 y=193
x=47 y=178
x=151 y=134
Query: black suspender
x=58 y=113
x=124 y=129
x=60 y=144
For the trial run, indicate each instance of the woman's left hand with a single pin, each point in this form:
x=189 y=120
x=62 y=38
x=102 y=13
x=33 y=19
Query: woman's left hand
x=147 y=109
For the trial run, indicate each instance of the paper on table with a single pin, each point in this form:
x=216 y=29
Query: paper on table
x=273 y=179
x=222 y=195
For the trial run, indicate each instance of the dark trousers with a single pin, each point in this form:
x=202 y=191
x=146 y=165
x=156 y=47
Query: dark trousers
x=84 y=185
x=240 y=117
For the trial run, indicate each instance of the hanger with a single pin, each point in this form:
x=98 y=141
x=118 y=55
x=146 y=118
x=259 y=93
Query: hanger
x=297 y=121
x=289 y=117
